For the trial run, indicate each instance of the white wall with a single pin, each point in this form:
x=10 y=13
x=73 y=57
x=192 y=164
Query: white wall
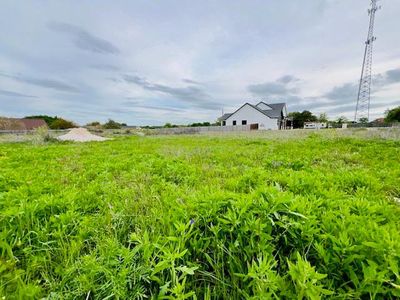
x=253 y=116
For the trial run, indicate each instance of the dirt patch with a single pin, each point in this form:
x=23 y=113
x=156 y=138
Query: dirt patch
x=81 y=135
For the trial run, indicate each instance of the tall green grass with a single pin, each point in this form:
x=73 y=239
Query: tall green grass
x=201 y=218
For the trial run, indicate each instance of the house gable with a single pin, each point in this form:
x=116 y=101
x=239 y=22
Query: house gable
x=263 y=106
x=247 y=106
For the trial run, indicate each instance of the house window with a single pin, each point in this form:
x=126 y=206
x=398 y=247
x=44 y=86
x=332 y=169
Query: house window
x=234 y=123
x=244 y=122
x=223 y=123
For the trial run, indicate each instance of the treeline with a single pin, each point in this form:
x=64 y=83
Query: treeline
x=110 y=124
x=299 y=118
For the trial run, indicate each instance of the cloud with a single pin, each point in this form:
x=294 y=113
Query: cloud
x=197 y=58
x=14 y=94
x=190 y=81
x=393 y=76
x=347 y=92
x=343 y=92
x=153 y=107
x=104 y=67
x=83 y=39
x=389 y=77
x=280 y=87
x=46 y=83
x=190 y=94
x=287 y=79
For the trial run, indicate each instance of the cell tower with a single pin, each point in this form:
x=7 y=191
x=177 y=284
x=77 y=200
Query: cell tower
x=364 y=90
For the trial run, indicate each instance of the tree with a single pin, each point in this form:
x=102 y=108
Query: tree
x=392 y=115
x=363 y=120
x=60 y=123
x=300 y=117
x=323 y=118
x=169 y=125
x=111 y=124
x=204 y=124
x=93 y=124
x=341 y=120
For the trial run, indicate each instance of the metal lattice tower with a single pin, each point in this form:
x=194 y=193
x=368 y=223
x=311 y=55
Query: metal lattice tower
x=364 y=90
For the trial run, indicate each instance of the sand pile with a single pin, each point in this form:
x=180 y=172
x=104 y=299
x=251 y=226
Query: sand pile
x=80 y=135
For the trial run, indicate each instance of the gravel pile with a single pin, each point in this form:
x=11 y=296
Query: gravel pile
x=81 y=135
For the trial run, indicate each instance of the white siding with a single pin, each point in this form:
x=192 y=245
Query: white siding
x=284 y=110
x=252 y=116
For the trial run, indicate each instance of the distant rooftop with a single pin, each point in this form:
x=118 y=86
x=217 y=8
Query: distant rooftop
x=275 y=112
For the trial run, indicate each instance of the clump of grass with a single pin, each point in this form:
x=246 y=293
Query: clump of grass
x=42 y=135
x=203 y=217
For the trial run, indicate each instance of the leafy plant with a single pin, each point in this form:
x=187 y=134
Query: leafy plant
x=263 y=216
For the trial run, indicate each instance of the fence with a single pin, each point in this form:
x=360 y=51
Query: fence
x=194 y=130
x=371 y=125
x=18 y=132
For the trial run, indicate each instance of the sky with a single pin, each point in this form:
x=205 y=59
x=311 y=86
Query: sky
x=150 y=62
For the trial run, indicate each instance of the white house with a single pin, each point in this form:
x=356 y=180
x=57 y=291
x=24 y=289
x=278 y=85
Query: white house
x=261 y=116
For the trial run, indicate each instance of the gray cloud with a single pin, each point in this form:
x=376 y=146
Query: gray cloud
x=393 y=75
x=152 y=107
x=287 y=79
x=389 y=77
x=343 y=92
x=268 y=89
x=83 y=39
x=348 y=92
x=104 y=67
x=43 y=82
x=49 y=83
x=190 y=94
x=340 y=99
x=280 y=87
x=190 y=81
x=14 y=94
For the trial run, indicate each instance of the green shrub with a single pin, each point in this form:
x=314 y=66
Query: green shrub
x=111 y=124
x=60 y=123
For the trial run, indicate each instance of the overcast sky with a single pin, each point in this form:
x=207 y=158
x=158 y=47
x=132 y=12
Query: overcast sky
x=152 y=62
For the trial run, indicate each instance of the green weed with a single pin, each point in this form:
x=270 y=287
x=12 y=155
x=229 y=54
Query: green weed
x=203 y=217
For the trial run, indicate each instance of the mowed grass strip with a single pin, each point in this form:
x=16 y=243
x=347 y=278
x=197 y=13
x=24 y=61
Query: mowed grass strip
x=201 y=217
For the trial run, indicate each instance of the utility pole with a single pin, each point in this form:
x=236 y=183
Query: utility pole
x=364 y=90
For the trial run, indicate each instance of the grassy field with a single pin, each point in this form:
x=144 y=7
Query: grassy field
x=201 y=217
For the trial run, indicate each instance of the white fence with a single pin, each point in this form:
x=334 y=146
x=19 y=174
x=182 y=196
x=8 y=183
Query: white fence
x=31 y=131
x=194 y=130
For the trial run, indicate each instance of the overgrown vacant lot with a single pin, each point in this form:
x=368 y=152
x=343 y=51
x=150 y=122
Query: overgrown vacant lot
x=201 y=217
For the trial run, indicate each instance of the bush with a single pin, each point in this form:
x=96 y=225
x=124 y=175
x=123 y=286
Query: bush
x=393 y=115
x=93 y=124
x=42 y=135
x=111 y=124
x=60 y=123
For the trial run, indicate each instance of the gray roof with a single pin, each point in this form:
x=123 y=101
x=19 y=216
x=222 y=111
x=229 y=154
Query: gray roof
x=224 y=117
x=274 y=113
x=276 y=106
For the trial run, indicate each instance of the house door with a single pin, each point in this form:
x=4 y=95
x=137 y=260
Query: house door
x=254 y=126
